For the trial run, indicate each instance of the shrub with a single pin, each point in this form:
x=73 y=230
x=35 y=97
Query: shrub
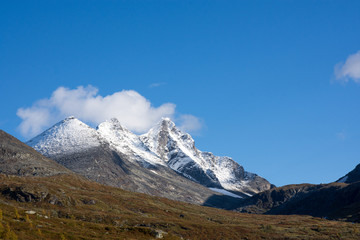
x=17 y=216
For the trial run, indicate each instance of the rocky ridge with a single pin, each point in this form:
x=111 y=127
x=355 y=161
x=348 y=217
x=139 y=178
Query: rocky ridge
x=107 y=153
x=178 y=150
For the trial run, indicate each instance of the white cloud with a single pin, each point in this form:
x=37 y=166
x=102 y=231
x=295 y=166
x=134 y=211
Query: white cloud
x=132 y=109
x=350 y=70
x=189 y=123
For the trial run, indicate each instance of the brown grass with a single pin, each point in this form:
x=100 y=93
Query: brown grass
x=92 y=211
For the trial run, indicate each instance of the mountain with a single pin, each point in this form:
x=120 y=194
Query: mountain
x=67 y=137
x=339 y=201
x=114 y=156
x=351 y=177
x=17 y=158
x=177 y=149
x=128 y=143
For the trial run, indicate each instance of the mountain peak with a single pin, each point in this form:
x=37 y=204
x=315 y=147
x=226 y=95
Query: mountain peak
x=113 y=124
x=164 y=144
x=69 y=121
x=70 y=118
x=166 y=123
x=166 y=119
x=177 y=149
x=68 y=135
x=124 y=141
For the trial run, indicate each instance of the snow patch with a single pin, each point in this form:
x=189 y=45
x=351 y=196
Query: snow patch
x=223 y=191
x=343 y=180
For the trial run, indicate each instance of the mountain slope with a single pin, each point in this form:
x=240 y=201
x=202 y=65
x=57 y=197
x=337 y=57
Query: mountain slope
x=126 y=142
x=351 y=177
x=17 y=158
x=178 y=150
x=67 y=136
x=71 y=207
x=113 y=156
x=333 y=201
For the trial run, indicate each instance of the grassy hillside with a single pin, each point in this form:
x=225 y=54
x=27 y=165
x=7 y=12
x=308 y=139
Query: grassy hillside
x=70 y=207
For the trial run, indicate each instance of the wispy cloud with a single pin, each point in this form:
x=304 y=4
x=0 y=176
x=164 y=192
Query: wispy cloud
x=132 y=109
x=158 y=84
x=189 y=123
x=350 y=70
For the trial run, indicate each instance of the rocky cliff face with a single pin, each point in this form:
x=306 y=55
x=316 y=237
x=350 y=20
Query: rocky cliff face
x=17 y=158
x=177 y=149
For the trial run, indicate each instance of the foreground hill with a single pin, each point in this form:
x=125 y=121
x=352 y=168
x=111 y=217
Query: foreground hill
x=71 y=207
x=18 y=158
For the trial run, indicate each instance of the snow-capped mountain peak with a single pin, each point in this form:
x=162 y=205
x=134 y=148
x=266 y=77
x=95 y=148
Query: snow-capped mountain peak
x=160 y=138
x=164 y=144
x=178 y=150
x=68 y=135
x=123 y=140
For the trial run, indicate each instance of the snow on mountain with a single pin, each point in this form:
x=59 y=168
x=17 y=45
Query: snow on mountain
x=164 y=145
x=352 y=176
x=343 y=179
x=178 y=150
x=70 y=135
x=223 y=191
x=126 y=142
x=114 y=156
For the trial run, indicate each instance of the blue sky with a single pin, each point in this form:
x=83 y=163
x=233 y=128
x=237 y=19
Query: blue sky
x=257 y=75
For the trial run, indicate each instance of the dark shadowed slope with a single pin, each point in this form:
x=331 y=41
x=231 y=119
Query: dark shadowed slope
x=17 y=158
x=351 y=177
x=333 y=201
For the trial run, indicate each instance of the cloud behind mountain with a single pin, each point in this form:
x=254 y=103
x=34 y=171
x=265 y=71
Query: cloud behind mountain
x=131 y=108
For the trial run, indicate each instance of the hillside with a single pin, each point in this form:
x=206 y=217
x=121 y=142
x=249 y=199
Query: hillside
x=352 y=176
x=71 y=207
x=19 y=159
x=339 y=201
